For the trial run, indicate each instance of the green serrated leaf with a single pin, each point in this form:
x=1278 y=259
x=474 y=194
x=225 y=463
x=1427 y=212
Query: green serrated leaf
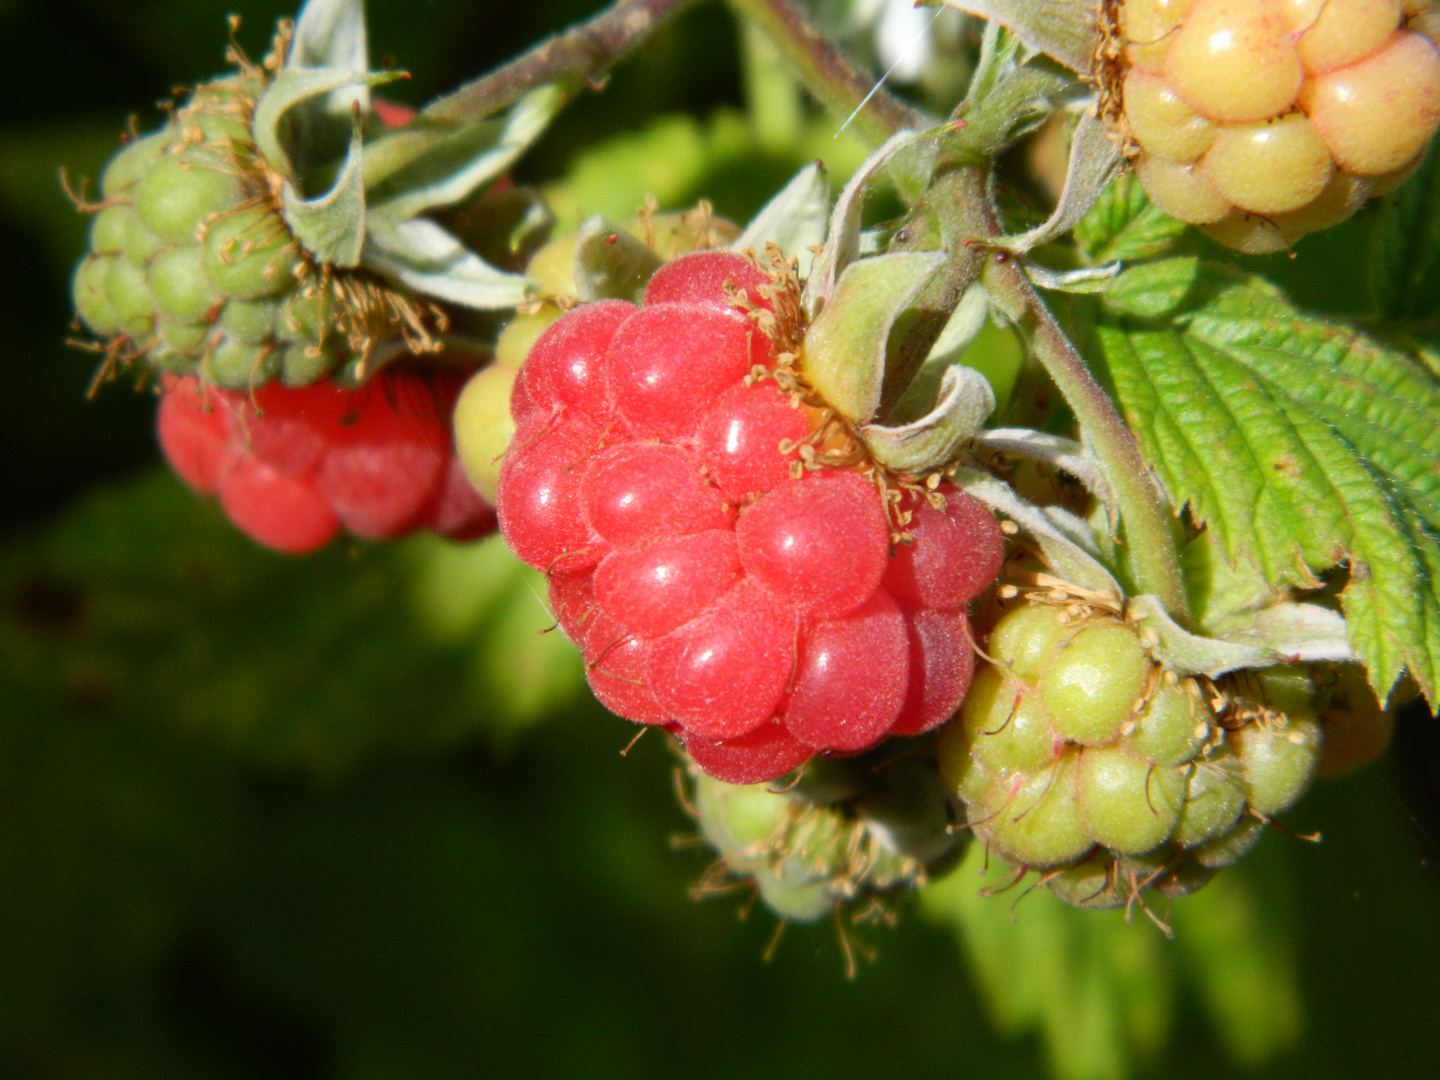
x=1304 y=446
x=1154 y=289
x=1125 y=225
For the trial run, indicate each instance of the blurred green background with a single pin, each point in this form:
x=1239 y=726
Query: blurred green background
x=352 y=816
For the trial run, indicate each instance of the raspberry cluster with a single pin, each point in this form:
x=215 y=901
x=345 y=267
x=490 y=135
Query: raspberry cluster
x=1077 y=755
x=192 y=268
x=292 y=465
x=848 y=830
x=716 y=585
x=1263 y=120
x=188 y=264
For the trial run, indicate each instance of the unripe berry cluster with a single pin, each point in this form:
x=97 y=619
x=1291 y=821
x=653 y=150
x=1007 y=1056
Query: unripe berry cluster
x=1263 y=120
x=847 y=831
x=1077 y=754
x=717 y=586
x=293 y=465
x=192 y=267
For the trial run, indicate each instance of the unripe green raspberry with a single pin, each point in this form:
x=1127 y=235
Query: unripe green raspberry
x=1172 y=725
x=191 y=234
x=553 y=266
x=1091 y=685
x=1024 y=638
x=107 y=230
x=1214 y=801
x=1230 y=847
x=304 y=315
x=1007 y=726
x=250 y=321
x=175 y=344
x=745 y=823
x=303 y=363
x=1165 y=870
x=520 y=334
x=484 y=426
x=229 y=361
x=1263 y=122
x=1088 y=884
x=1279 y=758
x=130 y=299
x=1130 y=805
x=141 y=245
x=179 y=193
x=182 y=291
x=1109 y=772
x=959 y=765
x=793 y=899
x=882 y=828
x=92 y=300
x=1035 y=819
x=131 y=163
x=249 y=254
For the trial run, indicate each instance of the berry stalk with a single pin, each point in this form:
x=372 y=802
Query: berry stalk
x=1150 y=552
x=1151 y=555
x=827 y=74
x=581 y=55
x=959 y=212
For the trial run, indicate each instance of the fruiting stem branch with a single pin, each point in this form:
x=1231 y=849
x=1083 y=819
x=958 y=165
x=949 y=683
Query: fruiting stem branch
x=582 y=54
x=1150 y=551
x=954 y=209
x=828 y=75
x=961 y=202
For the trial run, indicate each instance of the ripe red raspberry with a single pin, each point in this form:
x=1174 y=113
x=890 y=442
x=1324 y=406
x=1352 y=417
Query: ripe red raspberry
x=761 y=610
x=291 y=466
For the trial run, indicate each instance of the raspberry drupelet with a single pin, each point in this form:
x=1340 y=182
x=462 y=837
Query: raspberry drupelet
x=720 y=581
